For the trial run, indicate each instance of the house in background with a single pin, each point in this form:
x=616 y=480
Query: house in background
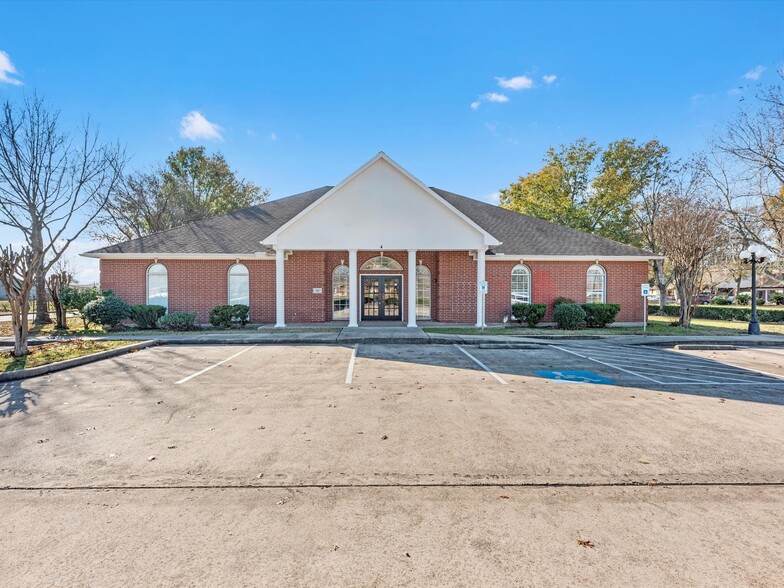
x=379 y=246
x=767 y=284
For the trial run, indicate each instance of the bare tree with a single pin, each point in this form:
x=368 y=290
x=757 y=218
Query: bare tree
x=17 y=272
x=52 y=184
x=690 y=231
x=139 y=206
x=746 y=164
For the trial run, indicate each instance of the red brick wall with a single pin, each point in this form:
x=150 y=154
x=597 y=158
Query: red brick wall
x=194 y=285
x=552 y=279
x=456 y=286
x=200 y=285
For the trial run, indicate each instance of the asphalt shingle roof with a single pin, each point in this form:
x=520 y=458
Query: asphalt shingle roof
x=240 y=232
x=527 y=235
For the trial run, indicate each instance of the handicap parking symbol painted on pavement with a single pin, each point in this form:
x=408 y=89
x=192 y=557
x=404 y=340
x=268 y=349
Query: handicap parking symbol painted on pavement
x=573 y=377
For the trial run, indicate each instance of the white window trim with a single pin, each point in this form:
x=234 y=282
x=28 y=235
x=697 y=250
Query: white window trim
x=147 y=283
x=429 y=316
x=332 y=291
x=530 y=282
x=381 y=269
x=604 y=283
x=228 y=282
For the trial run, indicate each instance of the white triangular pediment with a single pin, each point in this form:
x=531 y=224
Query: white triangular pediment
x=380 y=206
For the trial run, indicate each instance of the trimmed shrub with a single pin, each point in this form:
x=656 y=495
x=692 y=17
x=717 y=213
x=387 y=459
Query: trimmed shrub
x=220 y=316
x=562 y=300
x=77 y=298
x=598 y=316
x=530 y=314
x=743 y=299
x=777 y=298
x=177 y=321
x=569 y=316
x=726 y=313
x=107 y=311
x=146 y=315
x=760 y=302
x=226 y=316
x=720 y=301
x=240 y=314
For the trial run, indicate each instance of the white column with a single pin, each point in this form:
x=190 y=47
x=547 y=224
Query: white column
x=280 y=290
x=480 y=277
x=412 y=307
x=352 y=288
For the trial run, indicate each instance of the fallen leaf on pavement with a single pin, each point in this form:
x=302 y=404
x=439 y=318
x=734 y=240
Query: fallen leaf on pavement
x=585 y=543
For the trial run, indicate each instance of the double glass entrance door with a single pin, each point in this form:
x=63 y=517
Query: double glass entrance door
x=381 y=298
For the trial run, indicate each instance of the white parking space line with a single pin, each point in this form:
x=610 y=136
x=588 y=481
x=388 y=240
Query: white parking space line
x=639 y=375
x=483 y=366
x=673 y=368
x=213 y=366
x=351 y=362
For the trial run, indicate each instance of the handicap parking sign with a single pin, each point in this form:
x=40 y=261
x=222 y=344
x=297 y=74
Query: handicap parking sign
x=573 y=377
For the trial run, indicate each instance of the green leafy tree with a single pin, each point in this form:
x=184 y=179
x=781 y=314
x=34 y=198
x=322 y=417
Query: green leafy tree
x=190 y=186
x=203 y=186
x=586 y=187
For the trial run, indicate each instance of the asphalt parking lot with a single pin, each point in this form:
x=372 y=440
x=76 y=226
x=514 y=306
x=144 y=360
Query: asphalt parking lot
x=422 y=464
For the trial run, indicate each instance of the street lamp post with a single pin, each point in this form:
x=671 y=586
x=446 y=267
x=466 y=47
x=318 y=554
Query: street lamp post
x=753 y=255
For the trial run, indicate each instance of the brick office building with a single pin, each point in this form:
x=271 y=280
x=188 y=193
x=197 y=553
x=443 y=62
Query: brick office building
x=360 y=251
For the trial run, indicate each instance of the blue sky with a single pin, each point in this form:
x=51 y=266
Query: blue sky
x=466 y=96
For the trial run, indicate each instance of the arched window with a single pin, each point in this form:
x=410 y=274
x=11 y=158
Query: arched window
x=521 y=284
x=340 y=293
x=239 y=284
x=158 y=285
x=595 y=285
x=382 y=262
x=423 y=293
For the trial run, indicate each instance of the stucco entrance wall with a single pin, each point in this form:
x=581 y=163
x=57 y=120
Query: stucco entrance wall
x=198 y=285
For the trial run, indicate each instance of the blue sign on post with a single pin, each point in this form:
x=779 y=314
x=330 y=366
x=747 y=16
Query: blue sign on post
x=573 y=377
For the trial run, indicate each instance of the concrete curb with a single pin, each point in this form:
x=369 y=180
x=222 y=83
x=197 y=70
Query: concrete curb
x=77 y=361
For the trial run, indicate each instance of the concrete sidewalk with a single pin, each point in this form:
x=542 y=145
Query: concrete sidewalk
x=414 y=336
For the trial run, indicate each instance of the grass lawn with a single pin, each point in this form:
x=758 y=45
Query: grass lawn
x=75 y=327
x=51 y=352
x=657 y=325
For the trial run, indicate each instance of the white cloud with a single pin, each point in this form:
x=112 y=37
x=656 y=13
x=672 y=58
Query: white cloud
x=7 y=69
x=194 y=126
x=755 y=73
x=697 y=98
x=251 y=133
x=493 y=198
x=516 y=83
x=734 y=91
x=549 y=79
x=273 y=137
x=489 y=97
x=495 y=97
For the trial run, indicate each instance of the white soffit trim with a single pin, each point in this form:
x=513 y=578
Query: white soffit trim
x=488 y=238
x=516 y=257
x=259 y=255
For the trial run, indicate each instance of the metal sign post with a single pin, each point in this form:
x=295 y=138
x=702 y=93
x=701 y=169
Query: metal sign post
x=483 y=292
x=645 y=290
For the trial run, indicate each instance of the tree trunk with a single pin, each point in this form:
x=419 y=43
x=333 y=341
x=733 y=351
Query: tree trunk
x=661 y=284
x=19 y=312
x=41 y=299
x=686 y=292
